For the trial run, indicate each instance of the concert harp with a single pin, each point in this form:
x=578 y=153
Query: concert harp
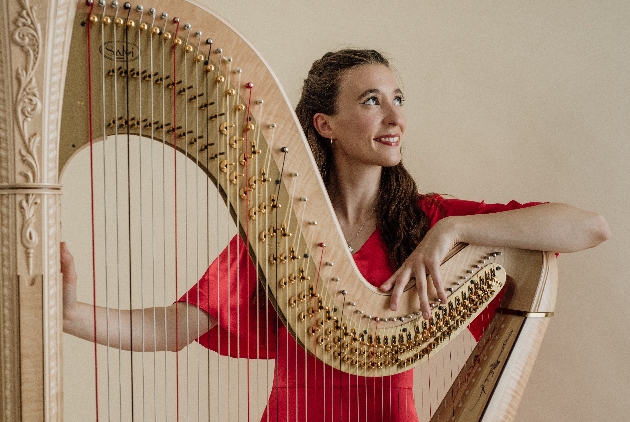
x=76 y=75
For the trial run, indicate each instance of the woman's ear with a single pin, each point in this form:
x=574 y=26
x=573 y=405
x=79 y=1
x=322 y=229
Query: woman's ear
x=321 y=122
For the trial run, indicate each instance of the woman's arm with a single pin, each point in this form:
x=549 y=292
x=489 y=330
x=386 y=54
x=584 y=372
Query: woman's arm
x=547 y=227
x=154 y=329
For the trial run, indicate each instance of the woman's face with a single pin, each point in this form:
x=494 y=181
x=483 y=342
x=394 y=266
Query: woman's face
x=369 y=124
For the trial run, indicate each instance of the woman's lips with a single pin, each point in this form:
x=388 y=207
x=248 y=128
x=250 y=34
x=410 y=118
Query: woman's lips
x=391 y=140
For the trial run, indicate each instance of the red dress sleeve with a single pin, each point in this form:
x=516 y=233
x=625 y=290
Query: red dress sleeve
x=229 y=291
x=436 y=207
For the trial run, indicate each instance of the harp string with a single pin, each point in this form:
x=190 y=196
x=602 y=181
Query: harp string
x=267 y=247
x=153 y=223
x=246 y=158
x=92 y=206
x=176 y=257
x=234 y=162
x=198 y=246
x=295 y=270
x=105 y=223
x=163 y=130
x=342 y=405
x=277 y=277
x=219 y=280
x=185 y=135
x=140 y=214
x=128 y=124
x=226 y=111
x=116 y=218
x=208 y=234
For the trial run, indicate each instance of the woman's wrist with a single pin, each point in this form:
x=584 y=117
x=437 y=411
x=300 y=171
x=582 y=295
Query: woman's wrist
x=451 y=229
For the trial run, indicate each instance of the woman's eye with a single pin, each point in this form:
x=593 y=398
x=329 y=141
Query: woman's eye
x=399 y=101
x=371 y=101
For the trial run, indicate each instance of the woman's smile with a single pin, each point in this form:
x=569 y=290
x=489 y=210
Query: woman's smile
x=389 y=140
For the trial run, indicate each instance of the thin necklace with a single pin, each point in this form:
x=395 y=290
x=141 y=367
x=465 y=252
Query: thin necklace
x=357 y=233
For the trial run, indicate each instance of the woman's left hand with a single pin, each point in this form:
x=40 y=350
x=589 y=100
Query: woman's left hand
x=423 y=262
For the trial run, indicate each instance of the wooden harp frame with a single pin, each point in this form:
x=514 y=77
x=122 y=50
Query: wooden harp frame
x=34 y=48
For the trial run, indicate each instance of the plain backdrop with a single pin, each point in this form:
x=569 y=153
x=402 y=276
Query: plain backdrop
x=525 y=100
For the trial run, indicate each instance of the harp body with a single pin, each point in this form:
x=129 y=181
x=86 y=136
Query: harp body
x=255 y=154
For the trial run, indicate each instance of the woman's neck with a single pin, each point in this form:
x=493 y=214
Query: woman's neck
x=354 y=195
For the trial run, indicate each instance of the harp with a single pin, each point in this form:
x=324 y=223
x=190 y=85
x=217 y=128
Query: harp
x=255 y=155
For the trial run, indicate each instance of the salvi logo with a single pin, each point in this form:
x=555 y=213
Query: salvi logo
x=120 y=50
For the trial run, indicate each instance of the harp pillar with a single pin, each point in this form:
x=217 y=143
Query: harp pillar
x=34 y=39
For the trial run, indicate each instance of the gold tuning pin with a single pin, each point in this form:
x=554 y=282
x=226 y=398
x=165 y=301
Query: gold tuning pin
x=284 y=231
x=234 y=177
x=253 y=182
x=274 y=202
x=224 y=127
x=263 y=177
x=234 y=140
x=269 y=233
x=254 y=148
x=253 y=213
x=303 y=276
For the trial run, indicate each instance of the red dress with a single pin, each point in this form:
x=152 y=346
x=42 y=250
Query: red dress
x=249 y=328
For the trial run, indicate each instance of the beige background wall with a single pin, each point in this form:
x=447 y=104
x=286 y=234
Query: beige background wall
x=526 y=100
x=505 y=99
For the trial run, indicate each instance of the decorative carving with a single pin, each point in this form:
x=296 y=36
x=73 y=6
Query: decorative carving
x=30 y=239
x=28 y=106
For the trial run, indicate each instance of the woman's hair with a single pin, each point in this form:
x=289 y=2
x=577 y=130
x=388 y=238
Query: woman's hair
x=398 y=216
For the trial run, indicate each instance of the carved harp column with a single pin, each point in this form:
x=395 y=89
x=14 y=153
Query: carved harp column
x=33 y=46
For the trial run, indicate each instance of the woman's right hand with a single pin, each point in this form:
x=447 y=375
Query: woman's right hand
x=69 y=281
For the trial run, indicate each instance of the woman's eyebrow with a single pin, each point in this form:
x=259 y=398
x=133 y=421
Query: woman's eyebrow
x=368 y=91
x=376 y=91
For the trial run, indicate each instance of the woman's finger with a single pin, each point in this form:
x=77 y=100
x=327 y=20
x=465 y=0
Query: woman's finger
x=67 y=263
x=389 y=284
x=436 y=278
x=421 y=287
x=399 y=288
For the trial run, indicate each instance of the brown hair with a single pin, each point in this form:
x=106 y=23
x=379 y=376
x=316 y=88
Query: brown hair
x=398 y=216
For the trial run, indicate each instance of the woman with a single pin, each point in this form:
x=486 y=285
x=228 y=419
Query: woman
x=351 y=113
